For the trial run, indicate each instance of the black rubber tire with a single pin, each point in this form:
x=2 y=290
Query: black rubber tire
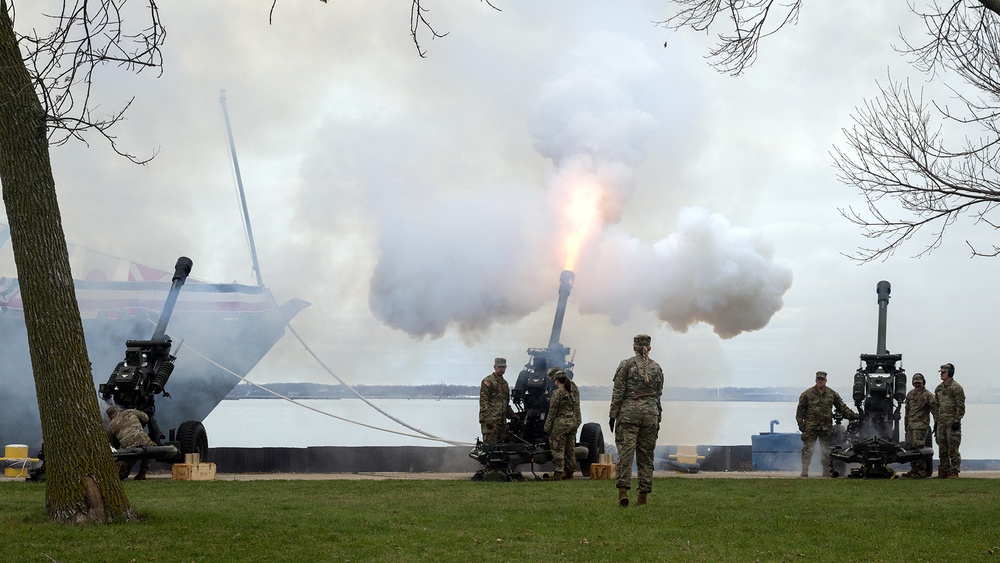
x=593 y=437
x=193 y=439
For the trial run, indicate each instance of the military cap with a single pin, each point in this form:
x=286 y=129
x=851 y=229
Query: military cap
x=919 y=377
x=500 y=362
x=820 y=375
x=556 y=372
x=112 y=410
x=641 y=340
x=947 y=367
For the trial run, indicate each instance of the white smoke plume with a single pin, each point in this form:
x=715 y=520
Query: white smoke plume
x=465 y=262
x=707 y=271
x=493 y=256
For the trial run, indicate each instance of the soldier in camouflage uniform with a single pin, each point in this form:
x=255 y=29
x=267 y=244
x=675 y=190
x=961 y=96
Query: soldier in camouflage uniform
x=561 y=424
x=125 y=431
x=494 y=404
x=951 y=409
x=636 y=411
x=920 y=405
x=574 y=392
x=814 y=416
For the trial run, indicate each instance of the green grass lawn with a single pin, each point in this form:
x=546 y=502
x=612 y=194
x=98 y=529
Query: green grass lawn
x=413 y=520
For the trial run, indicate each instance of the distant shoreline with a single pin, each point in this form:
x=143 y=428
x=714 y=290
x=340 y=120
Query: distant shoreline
x=588 y=393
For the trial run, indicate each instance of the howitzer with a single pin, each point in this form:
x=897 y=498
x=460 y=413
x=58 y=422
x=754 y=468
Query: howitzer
x=141 y=376
x=533 y=387
x=144 y=373
x=879 y=391
x=147 y=366
x=875 y=454
x=527 y=441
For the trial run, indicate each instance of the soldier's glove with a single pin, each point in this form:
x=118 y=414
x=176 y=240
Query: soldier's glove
x=611 y=424
x=956 y=426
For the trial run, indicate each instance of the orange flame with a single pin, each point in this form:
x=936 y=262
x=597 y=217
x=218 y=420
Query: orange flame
x=583 y=217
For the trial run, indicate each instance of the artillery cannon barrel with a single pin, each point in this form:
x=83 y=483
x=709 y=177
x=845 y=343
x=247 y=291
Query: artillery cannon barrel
x=181 y=271
x=566 y=279
x=883 y=289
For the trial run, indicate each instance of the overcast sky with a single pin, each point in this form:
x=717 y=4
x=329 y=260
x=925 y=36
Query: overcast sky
x=420 y=204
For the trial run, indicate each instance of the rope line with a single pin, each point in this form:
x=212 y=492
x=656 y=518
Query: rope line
x=366 y=401
x=421 y=436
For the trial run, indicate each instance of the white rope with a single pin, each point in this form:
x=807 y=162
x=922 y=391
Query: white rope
x=425 y=435
x=367 y=402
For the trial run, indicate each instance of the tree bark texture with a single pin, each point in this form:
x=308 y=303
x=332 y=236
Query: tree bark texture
x=81 y=482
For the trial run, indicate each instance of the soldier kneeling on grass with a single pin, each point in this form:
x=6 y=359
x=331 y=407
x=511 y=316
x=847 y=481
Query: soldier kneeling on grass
x=125 y=431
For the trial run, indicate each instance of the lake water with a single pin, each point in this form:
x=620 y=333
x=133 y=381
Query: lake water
x=251 y=423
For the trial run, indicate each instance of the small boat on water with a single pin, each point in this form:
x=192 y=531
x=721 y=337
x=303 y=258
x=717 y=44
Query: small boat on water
x=215 y=327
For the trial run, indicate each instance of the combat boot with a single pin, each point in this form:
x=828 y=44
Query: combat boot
x=953 y=474
x=642 y=498
x=805 y=470
x=568 y=476
x=556 y=476
x=942 y=473
x=141 y=475
x=622 y=497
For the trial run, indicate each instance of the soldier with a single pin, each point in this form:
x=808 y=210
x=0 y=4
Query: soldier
x=948 y=422
x=494 y=404
x=814 y=416
x=561 y=424
x=125 y=431
x=574 y=391
x=920 y=405
x=636 y=409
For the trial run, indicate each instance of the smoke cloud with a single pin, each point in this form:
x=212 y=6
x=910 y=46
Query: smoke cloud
x=708 y=271
x=493 y=255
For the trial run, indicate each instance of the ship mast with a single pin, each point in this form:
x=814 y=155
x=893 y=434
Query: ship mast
x=239 y=184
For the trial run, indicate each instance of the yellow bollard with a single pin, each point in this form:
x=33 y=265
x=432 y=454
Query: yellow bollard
x=17 y=453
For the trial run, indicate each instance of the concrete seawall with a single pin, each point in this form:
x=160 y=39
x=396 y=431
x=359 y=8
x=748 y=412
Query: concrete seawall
x=416 y=459
x=344 y=459
x=452 y=459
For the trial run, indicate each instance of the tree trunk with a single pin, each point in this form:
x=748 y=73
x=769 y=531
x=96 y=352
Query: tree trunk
x=81 y=482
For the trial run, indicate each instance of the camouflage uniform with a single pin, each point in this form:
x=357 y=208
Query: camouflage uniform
x=570 y=465
x=561 y=423
x=125 y=431
x=494 y=406
x=636 y=409
x=920 y=405
x=814 y=416
x=951 y=409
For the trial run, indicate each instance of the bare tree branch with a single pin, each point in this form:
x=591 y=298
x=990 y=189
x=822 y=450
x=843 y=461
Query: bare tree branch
x=87 y=35
x=897 y=154
x=418 y=21
x=736 y=50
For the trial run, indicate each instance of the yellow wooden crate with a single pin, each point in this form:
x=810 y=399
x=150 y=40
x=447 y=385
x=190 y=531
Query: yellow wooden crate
x=602 y=471
x=193 y=472
x=687 y=454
